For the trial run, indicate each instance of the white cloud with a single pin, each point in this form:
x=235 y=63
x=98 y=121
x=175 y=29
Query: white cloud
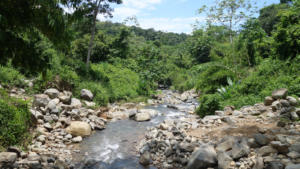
x=178 y=25
x=141 y=4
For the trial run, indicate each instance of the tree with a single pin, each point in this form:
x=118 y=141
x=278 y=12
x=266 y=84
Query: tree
x=229 y=13
x=268 y=16
x=93 y=8
x=26 y=25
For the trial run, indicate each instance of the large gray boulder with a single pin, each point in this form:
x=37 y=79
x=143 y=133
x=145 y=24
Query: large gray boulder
x=52 y=93
x=142 y=117
x=79 y=128
x=40 y=100
x=203 y=158
x=7 y=159
x=86 y=95
x=280 y=93
x=240 y=149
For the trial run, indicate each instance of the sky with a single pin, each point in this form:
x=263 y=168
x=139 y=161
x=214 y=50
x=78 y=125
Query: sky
x=166 y=15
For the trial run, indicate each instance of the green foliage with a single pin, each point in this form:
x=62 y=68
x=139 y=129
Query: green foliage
x=10 y=76
x=287 y=34
x=268 y=17
x=212 y=76
x=208 y=104
x=101 y=95
x=15 y=120
x=122 y=83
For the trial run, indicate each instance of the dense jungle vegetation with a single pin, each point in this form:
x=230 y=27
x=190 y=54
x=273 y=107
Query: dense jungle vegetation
x=227 y=66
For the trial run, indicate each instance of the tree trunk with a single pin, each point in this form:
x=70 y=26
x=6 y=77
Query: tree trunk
x=93 y=30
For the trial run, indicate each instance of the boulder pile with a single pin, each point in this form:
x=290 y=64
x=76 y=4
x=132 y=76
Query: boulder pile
x=249 y=138
x=283 y=104
x=61 y=121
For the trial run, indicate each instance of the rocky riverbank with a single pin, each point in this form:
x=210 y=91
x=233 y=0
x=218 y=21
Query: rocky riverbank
x=253 y=137
x=60 y=121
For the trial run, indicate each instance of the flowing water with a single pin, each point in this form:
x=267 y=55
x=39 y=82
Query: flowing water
x=115 y=146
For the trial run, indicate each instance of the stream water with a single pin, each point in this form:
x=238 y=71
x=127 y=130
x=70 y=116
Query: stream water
x=115 y=146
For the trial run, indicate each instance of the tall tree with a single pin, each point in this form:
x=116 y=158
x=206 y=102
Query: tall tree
x=93 y=8
x=229 y=13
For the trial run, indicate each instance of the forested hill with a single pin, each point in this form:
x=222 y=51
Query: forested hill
x=165 y=38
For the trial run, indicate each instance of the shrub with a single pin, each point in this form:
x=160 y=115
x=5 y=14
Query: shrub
x=101 y=95
x=11 y=77
x=212 y=77
x=209 y=103
x=14 y=120
x=63 y=78
x=121 y=83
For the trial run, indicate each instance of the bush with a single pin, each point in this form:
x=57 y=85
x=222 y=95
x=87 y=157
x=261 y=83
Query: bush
x=208 y=104
x=11 y=77
x=101 y=95
x=14 y=120
x=212 y=77
x=63 y=78
x=121 y=83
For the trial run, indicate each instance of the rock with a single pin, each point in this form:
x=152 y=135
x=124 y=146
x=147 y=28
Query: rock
x=186 y=147
x=259 y=163
x=266 y=150
x=224 y=161
x=261 y=139
x=293 y=101
x=268 y=101
x=237 y=113
x=280 y=93
x=142 y=117
x=203 y=158
x=75 y=103
x=274 y=165
x=48 y=126
x=293 y=155
x=32 y=156
x=240 y=150
x=228 y=110
x=210 y=118
x=40 y=100
x=145 y=159
x=293 y=166
x=52 y=93
x=151 y=112
x=65 y=97
x=36 y=114
x=226 y=144
x=298 y=111
x=280 y=147
x=77 y=139
x=52 y=105
x=8 y=157
x=86 y=95
x=229 y=120
x=295 y=147
x=78 y=128
x=284 y=103
x=276 y=105
x=294 y=116
x=14 y=149
x=41 y=138
x=90 y=104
